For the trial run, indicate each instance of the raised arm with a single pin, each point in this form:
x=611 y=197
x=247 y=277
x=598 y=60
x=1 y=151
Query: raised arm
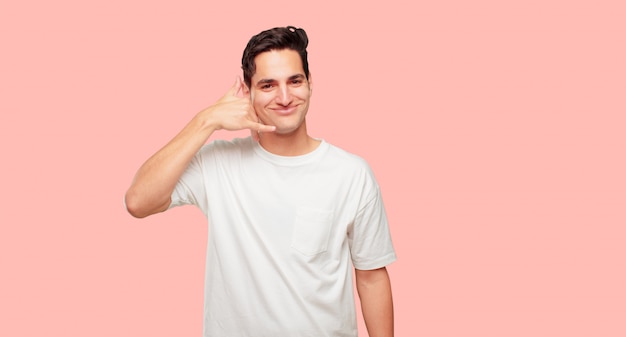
x=152 y=187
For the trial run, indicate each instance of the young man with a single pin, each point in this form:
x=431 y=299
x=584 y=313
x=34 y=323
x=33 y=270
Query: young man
x=289 y=214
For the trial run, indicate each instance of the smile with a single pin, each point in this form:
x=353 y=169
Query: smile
x=285 y=110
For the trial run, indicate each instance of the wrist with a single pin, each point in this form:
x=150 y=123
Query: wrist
x=205 y=121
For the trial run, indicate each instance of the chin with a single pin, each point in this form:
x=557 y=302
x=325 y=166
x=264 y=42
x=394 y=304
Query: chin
x=287 y=129
x=285 y=132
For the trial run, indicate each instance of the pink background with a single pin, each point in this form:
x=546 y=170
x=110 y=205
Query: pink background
x=495 y=128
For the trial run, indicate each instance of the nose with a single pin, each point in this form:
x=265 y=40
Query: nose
x=283 y=96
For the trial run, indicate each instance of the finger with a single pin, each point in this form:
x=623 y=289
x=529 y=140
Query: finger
x=265 y=128
x=235 y=88
x=259 y=127
x=256 y=134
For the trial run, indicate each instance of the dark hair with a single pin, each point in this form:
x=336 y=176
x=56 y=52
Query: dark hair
x=278 y=38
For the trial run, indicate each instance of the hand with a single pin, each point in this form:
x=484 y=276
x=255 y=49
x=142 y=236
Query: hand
x=234 y=112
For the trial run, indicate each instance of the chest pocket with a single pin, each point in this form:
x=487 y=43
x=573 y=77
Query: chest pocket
x=311 y=231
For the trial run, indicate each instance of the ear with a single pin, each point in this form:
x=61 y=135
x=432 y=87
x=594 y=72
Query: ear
x=310 y=83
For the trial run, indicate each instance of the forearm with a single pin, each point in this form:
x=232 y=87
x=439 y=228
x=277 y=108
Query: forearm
x=151 y=190
x=374 y=289
x=156 y=179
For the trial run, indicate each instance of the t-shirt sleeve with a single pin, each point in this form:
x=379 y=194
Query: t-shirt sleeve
x=190 y=189
x=370 y=238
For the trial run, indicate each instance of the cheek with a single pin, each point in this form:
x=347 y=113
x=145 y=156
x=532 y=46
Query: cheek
x=303 y=93
x=260 y=99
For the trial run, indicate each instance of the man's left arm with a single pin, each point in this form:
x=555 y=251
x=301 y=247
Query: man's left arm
x=374 y=289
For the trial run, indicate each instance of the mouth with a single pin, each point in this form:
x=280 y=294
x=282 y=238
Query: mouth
x=286 y=110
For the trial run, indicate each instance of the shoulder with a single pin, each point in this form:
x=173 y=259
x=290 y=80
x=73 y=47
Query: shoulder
x=218 y=147
x=223 y=152
x=349 y=159
x=352 y=166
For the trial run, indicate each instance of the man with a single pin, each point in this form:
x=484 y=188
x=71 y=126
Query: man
x=288 y=213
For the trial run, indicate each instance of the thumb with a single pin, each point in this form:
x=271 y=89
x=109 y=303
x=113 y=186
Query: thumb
x=236 y=88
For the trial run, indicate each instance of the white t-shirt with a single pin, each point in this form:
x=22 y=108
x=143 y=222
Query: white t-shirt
x=284 y=233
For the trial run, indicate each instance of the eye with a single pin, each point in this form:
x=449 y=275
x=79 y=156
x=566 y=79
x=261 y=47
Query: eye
x=296 y=82
x=266 y=86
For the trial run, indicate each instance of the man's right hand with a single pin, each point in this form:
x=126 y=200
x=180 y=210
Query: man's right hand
x=234 y=112
x=156 y=179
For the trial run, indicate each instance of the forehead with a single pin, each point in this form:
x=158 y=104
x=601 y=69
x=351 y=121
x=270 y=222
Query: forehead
x=277 y=64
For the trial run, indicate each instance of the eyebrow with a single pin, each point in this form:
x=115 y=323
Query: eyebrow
x=270 y=80
x=296 y=77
